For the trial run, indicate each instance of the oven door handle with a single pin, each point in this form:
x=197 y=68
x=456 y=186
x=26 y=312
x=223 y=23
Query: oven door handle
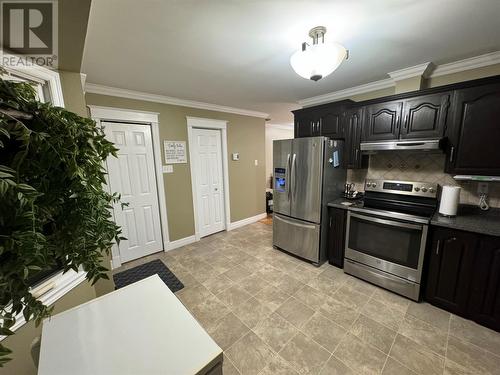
x=387 y=222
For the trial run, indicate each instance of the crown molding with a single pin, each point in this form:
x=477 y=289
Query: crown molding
x=346 y=93
x=287 y=126
x=430 y=71
x=139 y=95
x=421 y=70
x=467 y=64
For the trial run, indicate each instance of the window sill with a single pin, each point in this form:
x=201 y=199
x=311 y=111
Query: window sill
x=51 y=290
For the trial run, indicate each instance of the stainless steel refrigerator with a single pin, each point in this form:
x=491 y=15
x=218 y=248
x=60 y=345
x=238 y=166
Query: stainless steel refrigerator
x=308 y=173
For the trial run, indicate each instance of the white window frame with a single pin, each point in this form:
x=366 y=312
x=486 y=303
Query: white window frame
x=42 y=76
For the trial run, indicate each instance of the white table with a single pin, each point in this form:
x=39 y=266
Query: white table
x=140 y=329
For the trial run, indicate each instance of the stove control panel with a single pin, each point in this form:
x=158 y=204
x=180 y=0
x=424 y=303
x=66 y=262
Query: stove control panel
x=423 y=189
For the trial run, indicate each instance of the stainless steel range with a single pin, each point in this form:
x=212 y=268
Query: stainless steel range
x=386 y=236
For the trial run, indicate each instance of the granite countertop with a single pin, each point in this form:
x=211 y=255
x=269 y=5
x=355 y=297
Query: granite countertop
x=471 y=219
x=338 y=203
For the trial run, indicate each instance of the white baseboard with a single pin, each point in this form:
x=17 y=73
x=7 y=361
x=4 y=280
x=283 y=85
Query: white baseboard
x=181 y=242
x=237 y=224
x=248 y=220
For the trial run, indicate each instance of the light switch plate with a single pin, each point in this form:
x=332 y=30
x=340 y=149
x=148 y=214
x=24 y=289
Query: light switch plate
x=168 y=169
x=256 y=162
x=236 y=156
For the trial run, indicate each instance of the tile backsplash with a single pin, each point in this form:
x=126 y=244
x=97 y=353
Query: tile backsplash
x=423 y=167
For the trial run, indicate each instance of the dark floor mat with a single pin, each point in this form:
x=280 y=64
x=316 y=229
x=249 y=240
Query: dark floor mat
x=132 y=275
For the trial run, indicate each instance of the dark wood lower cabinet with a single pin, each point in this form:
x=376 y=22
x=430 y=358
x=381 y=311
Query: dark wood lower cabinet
x=463 y=275
x=336 y=236
x=450 y=269
x=484 y=302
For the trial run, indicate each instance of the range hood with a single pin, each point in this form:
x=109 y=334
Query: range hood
x=401 y=145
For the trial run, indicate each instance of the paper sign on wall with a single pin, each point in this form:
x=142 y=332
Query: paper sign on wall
x=175 y=152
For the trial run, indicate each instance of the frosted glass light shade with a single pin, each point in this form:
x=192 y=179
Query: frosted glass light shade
x=318 y=60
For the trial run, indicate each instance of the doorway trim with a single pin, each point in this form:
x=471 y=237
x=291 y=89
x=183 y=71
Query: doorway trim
x=206 y=123
x=102 y=114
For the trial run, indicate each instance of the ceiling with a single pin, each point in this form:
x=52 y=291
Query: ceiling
x=236 y=53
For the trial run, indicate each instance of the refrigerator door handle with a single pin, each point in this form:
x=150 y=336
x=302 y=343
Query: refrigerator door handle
x=287 y=176
x=294 y=173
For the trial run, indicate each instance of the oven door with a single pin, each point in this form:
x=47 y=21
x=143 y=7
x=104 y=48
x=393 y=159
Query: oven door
x=392 y=246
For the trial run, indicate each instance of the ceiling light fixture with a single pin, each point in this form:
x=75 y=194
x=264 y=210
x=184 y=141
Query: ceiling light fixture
x=319 y=59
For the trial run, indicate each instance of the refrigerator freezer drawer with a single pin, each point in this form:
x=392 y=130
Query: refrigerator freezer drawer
x=297 y=237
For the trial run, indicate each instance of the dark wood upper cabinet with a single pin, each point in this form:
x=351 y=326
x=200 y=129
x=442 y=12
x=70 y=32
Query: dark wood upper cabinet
x=331 y=123
x=352 y=128
x=475 y=135
x=307 y=124
x=382 y=121
x=303 y=125
x=484 y=303
x=469 y=125
x=425 y=116
x=450 y=269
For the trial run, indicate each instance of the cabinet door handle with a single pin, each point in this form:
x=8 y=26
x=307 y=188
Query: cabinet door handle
x=437 y=247
x=330 y=221
x=406 y=121
x=452 y=153
x=357 y=153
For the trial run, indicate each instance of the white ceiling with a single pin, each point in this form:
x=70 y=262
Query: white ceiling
x=236 y=53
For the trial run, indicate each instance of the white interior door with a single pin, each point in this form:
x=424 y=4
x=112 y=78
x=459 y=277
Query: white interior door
x=209 y=181
x=132 y=174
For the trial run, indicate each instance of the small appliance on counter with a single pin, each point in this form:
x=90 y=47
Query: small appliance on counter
x=350 y=193
x=450 y=197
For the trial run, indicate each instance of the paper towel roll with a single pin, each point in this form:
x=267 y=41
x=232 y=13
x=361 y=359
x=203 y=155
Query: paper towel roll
x=450 y=196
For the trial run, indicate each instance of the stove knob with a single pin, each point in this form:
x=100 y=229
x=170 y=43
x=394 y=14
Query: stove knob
x=431 y=190
x=374 y=184
x=417 y=188
x=424 y=189
x=368 y=184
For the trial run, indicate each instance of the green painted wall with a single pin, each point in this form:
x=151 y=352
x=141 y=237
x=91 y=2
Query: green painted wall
x=245 y=135
x=73 y=19
x=74 y=98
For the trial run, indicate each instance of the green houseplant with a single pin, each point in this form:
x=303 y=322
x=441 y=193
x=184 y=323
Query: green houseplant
x=54 y=209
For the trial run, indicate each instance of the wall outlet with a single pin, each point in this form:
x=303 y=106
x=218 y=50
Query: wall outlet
x=235 y=156
x=482 y=188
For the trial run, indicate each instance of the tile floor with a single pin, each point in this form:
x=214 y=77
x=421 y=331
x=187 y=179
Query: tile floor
x=274 y=314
